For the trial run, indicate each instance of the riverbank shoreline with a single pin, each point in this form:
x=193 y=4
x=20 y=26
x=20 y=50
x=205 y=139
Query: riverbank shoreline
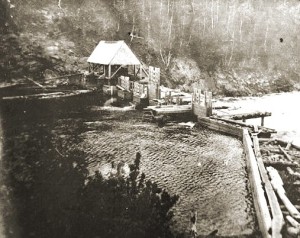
x=284 y=118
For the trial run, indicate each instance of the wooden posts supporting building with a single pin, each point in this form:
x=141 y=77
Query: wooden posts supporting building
x=111 y=59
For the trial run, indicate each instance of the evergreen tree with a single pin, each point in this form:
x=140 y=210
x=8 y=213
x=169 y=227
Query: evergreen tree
x=124 y=207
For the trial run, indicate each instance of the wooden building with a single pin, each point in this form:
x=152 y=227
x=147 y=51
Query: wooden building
x=110 y=59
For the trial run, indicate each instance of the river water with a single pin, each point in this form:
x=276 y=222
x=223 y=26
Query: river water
x=283 y=106
x=206 y=169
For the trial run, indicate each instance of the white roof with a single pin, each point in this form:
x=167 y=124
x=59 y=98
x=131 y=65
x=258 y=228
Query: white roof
x=113 y=53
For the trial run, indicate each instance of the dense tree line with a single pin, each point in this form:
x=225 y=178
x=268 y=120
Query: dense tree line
x=251 y=45
x=232 y=33
x=245 y=33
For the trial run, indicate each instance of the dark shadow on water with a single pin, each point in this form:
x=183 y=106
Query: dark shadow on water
x=43 y=178
x=50 y=191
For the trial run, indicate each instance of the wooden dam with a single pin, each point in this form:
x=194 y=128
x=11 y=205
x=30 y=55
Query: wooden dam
x=276 y=215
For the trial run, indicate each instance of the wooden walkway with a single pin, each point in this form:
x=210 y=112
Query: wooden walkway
x=251 y=115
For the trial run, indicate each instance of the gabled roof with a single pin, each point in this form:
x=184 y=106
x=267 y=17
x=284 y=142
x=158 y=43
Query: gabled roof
x=113 y=53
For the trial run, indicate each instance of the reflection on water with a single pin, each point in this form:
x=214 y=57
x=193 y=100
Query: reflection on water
x=206 y=169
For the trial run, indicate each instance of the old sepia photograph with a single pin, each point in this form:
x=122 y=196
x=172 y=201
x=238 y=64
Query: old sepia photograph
x=149 y=118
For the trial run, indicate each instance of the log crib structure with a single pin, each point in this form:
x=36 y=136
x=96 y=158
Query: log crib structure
x=269 y=163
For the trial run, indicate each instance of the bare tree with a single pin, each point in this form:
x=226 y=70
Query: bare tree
x=266 y=36
x=192 y=5
x=232 y=48
x=217 y=11
x=212 y=14
x=59 y=4
x=241 y=24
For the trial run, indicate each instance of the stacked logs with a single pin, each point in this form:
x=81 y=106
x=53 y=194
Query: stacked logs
x=284 y=156
x=279 y=154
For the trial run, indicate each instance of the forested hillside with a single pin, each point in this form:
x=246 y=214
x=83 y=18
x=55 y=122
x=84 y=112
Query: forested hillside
x=233 y=47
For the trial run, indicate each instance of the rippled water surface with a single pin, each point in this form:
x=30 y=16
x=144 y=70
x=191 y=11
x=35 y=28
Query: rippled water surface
x=206 y=169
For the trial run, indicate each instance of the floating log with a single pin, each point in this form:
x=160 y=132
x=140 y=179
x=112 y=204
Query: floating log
x=220 y=126
x=64 y=76
x=251 y=115
x=292 y=173
x=285 y=213
x=288 y=146
x=291 y=153
x=32 y=96
x=266 y=140
x=232 y=122
x=270 y=150
x=36 y=83
x=277 y=217
x=120 y=87
x=282 y=207
x=285 y=154
x=295 y=229
x=295 y=153
x=172 y=109
x=260 y=203
x=285 y=143
x=49 y=95
x=8 y=85
x=263 y=129
x=280 y=163
x=277 y=184
x=220 y=107
x=270 y=142
x=275 y=157
x=296 y=184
